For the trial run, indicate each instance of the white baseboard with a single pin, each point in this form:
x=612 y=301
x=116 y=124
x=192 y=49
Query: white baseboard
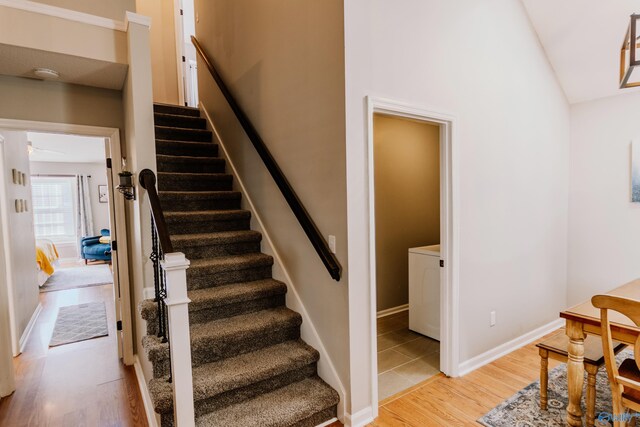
x=144 y=392
x=392 y=310
x=329 y=422
x=326 y=368
x=360 y=418
x=27 y=331
x=506 y=348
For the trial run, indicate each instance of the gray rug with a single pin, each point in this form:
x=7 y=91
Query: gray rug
x=80 y=322
x=523 y=408
x=78 y=277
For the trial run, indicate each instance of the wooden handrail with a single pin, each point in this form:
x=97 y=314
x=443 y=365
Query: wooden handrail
x=148 y=181
x=311 y=230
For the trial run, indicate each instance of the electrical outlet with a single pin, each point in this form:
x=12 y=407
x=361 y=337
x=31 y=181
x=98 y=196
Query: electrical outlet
x=332 y=244
x=492 y=321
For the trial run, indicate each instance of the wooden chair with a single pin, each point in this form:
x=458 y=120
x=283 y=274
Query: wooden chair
x=624 y=379
x=556 y=347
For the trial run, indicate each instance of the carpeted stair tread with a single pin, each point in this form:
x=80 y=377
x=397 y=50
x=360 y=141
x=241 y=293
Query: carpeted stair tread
x=198 y=221
x=210 y=215
x=237 y=262
x=291 y=405
x=215 y=378
x=192 y=164
x=182 y=134
x=210 y=338
x=199 y=200
x=201 y=181
x=220 y=238
x=181 y=110
x=211 y=298
x=200 y=194
x=179 y=120
x=185 y=148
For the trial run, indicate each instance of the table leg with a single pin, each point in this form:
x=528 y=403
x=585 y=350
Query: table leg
x=592 y=371
x=575 y=372
x=544 y=378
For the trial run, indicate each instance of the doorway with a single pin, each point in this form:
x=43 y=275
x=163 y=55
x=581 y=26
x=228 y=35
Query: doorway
x=185 y=27
x=57 y=191
x=434 y=350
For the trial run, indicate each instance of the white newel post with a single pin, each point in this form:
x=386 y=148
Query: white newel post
x=175 y=266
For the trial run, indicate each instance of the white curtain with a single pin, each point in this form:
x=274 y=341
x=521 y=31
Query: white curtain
x=85 y=219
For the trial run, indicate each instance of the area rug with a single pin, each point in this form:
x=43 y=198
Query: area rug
x=78 y=277
x=523 y=408
x=80 y=322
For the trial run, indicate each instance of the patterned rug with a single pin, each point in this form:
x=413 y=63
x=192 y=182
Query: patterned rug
x=80 y=322
x=523 y=408
x=78 y=277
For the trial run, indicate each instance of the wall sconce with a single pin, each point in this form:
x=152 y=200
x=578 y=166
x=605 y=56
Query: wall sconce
x=126 y=185
x=630 y=56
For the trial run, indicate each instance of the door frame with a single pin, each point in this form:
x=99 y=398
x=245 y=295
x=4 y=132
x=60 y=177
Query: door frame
x=116 y=205
x=449 y=231
x=179 y=32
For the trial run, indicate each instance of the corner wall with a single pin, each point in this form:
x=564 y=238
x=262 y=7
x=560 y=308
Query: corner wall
x=604 y=226
x=482 y=62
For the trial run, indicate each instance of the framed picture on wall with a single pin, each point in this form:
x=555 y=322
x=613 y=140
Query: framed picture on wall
x=103 y=194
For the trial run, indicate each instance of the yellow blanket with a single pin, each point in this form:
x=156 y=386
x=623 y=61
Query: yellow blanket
x=46 y=253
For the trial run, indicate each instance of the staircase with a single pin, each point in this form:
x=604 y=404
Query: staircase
x=250 y=367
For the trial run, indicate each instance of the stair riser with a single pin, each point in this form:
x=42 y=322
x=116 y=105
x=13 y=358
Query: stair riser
x=222 y=183
x=199 y=280
x=208 y=351
x=218 y=250
x=202 y=315
x=170 y=148
x=192 y=166
x=186 y=122
x=318 y=418
x=181 y=204
x=177 y=134
x=176 y=228
x=176 y=110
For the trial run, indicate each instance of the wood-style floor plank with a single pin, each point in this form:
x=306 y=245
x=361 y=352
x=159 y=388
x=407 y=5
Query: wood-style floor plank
x=78 y=384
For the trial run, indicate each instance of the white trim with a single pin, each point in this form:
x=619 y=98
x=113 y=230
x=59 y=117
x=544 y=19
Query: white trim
x=449 y=227
x=27 y=331
x=68 y=14
x=506 y=348
x=148 y=293
x=360 y=418
x=392 y=310
x=114 y=145
x=326 y=367
x=136 y=18
x=144 y=392
x=179 y=33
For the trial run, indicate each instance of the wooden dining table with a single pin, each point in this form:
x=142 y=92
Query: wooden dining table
x=584 y=319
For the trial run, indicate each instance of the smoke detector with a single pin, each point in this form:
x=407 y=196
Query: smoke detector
x=46 y=73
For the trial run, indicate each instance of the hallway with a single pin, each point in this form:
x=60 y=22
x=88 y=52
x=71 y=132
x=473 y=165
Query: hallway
x=77 y=384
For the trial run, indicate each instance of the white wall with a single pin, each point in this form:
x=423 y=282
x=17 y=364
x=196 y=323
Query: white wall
x=604 y=226
x=100 y=211
x=19 y=239
x=481 y=61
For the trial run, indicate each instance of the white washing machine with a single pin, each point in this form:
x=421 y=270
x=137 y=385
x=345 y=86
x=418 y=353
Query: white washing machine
x=424 y=290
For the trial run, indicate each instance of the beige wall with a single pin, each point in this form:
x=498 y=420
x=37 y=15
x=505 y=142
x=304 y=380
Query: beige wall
x=407 y=196
x=113 y=9
x=19 y=235
x=163 y=49
x=284 y=61
x=27 y=99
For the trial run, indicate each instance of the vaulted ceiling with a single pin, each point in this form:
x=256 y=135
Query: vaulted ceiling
x=582 y=39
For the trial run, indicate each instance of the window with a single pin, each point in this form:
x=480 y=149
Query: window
x=54 y=208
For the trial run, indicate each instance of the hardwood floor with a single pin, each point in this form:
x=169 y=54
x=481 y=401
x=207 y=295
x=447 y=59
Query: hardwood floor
x=78 y=384
x=442 y=401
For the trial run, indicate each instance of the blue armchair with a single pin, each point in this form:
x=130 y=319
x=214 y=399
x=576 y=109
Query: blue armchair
x=92 y=249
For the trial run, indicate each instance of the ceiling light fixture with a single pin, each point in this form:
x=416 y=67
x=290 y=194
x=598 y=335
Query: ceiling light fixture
x=46 y=73
x=630 y=56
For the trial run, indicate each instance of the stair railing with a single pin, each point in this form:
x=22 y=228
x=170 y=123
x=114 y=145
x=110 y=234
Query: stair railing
x=170 y=284
x=306 y=222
